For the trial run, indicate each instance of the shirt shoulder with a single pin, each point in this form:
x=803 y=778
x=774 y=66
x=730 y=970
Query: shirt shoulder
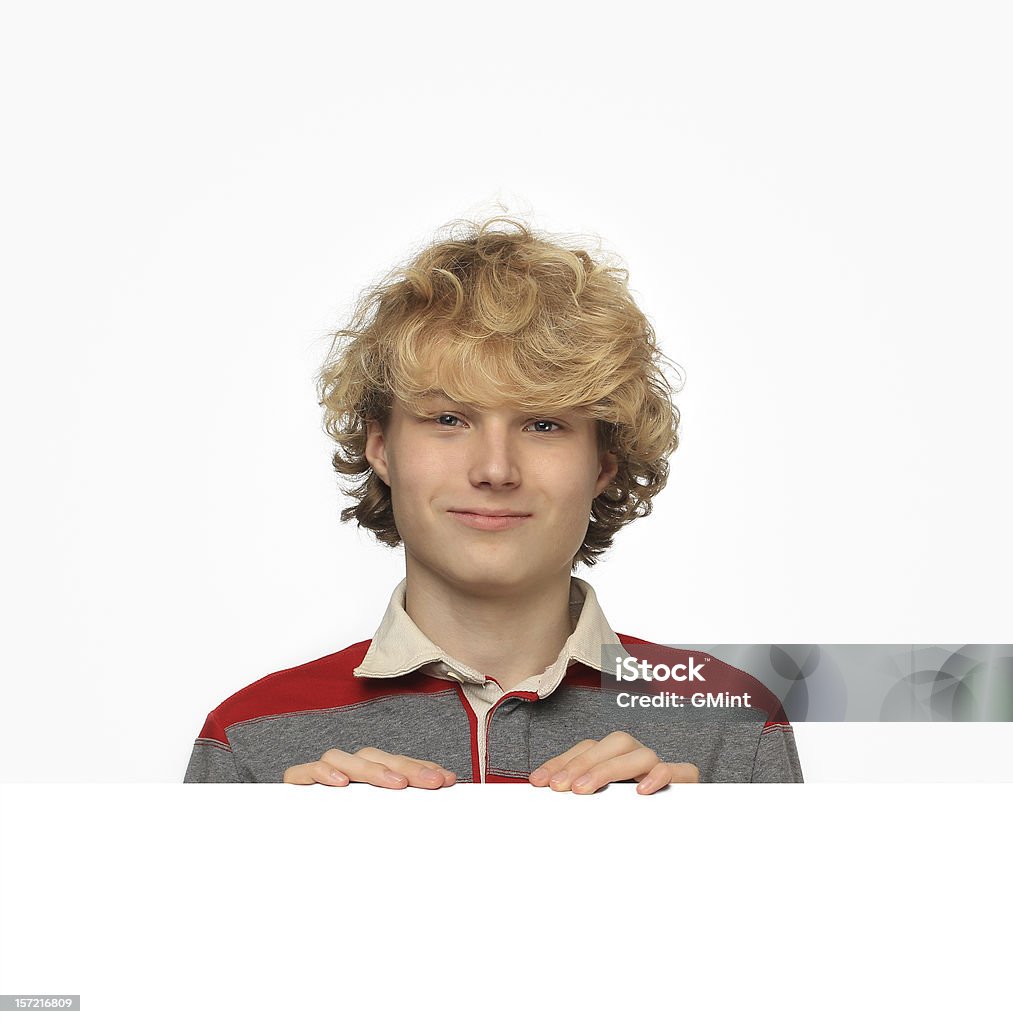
x=323 y=684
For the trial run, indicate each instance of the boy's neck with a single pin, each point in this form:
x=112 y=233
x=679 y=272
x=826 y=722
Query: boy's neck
x=509 y=635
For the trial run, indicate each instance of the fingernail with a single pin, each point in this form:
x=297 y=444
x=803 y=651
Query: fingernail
x=394 y=777
x=584 y=780
x=539 y=775
x=647 y=785
x=558 y=779
x=337 y=776
x=428 y=775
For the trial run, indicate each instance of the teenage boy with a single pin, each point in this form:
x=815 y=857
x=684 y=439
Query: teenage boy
x=500 y=401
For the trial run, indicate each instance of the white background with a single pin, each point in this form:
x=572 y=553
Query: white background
x=814 y=203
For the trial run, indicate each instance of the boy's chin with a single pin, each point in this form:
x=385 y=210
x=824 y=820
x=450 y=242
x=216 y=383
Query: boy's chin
x=490 y=575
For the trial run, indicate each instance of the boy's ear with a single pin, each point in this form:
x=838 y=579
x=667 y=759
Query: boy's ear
x=376 y=450
x=609 y=470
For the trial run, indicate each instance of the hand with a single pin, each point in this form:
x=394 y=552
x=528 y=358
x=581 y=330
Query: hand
x=591 y=764
x=375 y=767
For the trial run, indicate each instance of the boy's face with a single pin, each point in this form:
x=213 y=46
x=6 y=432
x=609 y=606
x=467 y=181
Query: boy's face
x=453 y=462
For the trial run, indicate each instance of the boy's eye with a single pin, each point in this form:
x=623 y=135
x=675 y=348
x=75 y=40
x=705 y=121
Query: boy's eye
x=539 y=426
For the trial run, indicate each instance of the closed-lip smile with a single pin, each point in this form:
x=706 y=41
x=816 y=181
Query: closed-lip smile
x=489 y=518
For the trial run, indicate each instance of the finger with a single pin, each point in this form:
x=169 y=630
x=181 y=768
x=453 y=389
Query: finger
x=449 y=777
x=664 y=773
x=540 y=776
x=657 y=778
x=420 y=774
x=613 y=745
x=615 y=769
x=363 y=769
x=315 y=772
x=423 y=774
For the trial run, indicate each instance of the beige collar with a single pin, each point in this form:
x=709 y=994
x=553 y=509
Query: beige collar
x=399 y=646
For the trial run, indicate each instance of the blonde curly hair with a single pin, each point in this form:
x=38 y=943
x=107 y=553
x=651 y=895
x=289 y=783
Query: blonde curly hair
x=487 y=313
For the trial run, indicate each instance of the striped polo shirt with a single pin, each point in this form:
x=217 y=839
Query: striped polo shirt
x=402 y=693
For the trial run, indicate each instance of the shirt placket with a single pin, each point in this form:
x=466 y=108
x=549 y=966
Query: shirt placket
x=482 y=696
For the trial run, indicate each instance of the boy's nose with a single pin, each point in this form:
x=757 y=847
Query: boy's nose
x=494 y=460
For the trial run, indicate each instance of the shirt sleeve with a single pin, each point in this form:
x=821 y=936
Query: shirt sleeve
x=776 y=757
x=212 y=759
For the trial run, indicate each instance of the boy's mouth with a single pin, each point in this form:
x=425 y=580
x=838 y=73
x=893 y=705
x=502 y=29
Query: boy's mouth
x=489 y=519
